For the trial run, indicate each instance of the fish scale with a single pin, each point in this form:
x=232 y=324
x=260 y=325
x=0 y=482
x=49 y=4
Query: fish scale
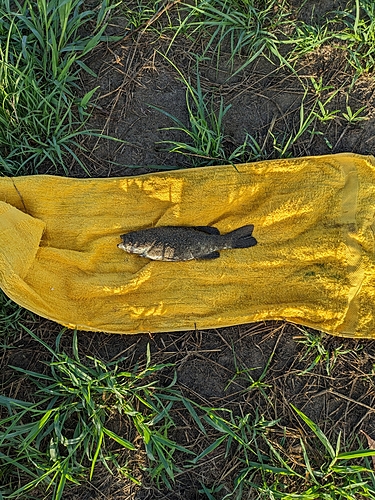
x=182 y=243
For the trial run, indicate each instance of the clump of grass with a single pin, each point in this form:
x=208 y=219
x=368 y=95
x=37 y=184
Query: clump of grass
x=317 y=473
x=143 y=14
x=10 y=315
x=331 y=474
x=205 y=131
x=307 y=38
x=269 y=461
x=206 y=138
x=315 y=348
x=358 y=34
x=41 y=52
x=60 y=435
x=245 y=27
x=243 y=376
x=242 y=436
x=353 y=117
x=255 y=28
x=351 y=30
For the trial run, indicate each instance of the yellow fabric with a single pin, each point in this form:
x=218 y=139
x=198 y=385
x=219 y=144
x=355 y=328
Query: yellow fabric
x=313 y=265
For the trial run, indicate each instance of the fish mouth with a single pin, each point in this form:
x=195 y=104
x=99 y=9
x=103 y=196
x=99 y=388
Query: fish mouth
x=121 y=245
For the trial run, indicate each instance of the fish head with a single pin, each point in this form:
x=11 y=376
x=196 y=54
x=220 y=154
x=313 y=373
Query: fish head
x=122 y=246
x=131 y=246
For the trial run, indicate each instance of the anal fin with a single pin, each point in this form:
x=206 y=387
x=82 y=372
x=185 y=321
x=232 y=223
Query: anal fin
x=212 y=255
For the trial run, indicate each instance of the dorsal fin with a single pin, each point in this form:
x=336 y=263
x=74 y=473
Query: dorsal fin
x=207 y=229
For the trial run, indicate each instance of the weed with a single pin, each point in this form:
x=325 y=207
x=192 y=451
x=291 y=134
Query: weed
x=241 y=435
x=308 y=478
x=249 y=27
x=205 y=132
x=351 y=30
x=41 y=55
x=354 y=116
x=283 y=144
x=209 y=492
x=315 y=346
x=206 y=126
x=59 y=437
x=324 y=474
x=243 y=374
x=336 y=477
x=358 y=35
x=249 y=150
x=206 y=144
x=307 y=38
x=324 y=114
x=10 y=315
x=141 y=13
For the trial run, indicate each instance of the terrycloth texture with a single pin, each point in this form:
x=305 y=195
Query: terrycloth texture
x=313 y=265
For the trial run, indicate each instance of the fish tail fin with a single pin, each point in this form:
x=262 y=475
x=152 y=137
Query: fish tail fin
x=241 y=237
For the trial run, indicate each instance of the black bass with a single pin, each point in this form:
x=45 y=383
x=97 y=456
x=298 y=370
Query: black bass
x=179 y=243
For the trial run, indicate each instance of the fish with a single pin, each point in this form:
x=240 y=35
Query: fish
x=182 y=243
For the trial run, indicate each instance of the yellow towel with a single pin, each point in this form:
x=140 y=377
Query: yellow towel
x=313 y=265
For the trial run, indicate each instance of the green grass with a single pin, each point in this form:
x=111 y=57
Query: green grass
x=255 y=28
x=11 y=317
x=331 y=475
x=261 y=464
x=61 y=434
x=42 y=121
x=351 y=30
x=337 y=477
x=240 y=27
x=205 y=130
x=206 y=140
x=316 y=350
x=141 y=15
x=248 y=31
x=324 y=470
x=41 y=55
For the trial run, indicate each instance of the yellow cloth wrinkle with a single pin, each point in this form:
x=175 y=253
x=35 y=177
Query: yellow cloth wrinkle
x=314 y=264
x=23 y=234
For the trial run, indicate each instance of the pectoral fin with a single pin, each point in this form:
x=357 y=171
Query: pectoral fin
x=212 y=255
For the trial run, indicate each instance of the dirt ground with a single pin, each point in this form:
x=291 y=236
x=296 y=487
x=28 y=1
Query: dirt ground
x=132 y=76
